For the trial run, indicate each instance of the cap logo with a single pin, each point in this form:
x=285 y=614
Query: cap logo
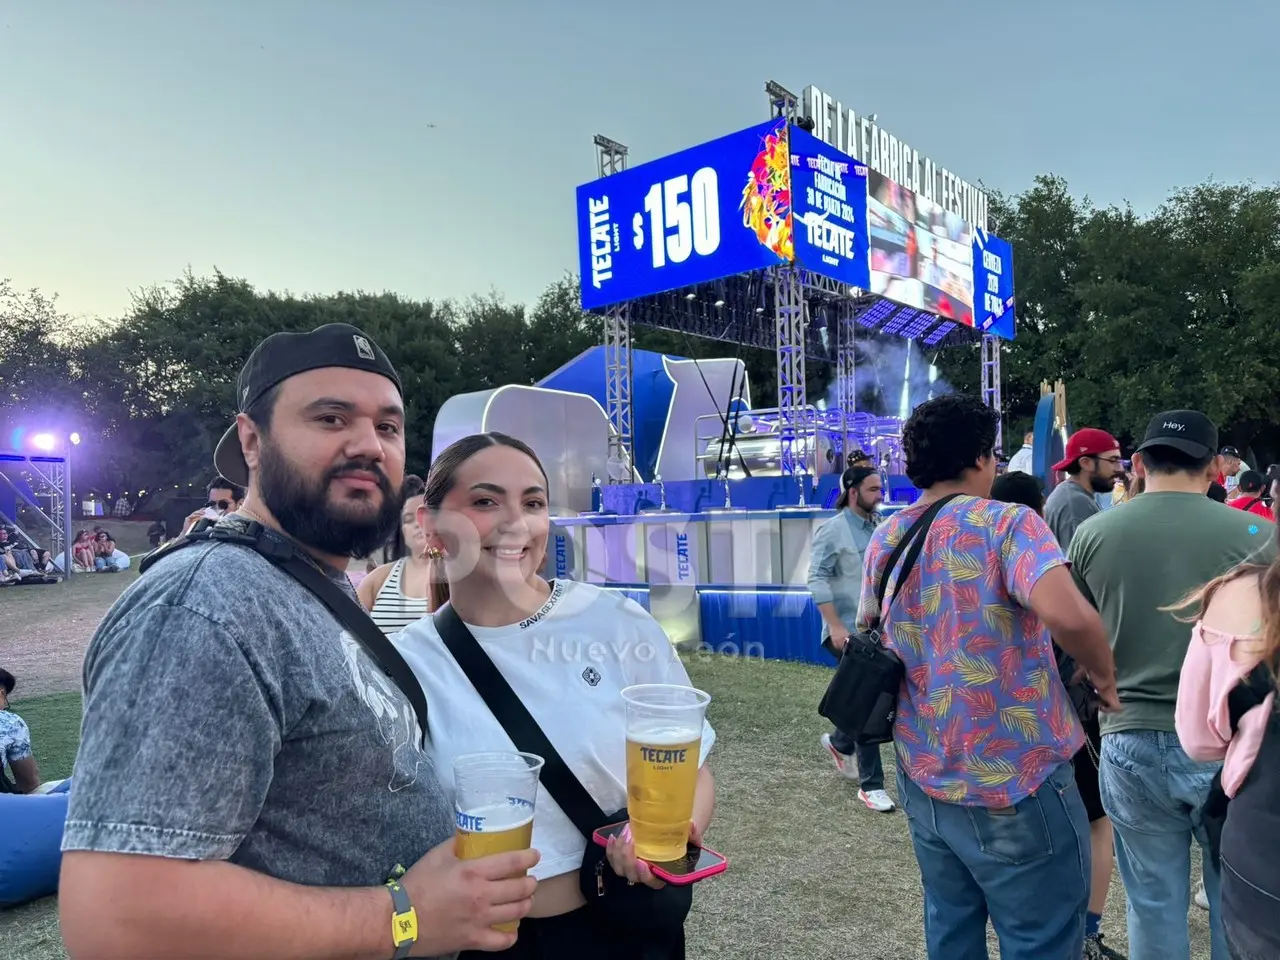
x=244 y=395
x=363 y=347
x=1170 y=425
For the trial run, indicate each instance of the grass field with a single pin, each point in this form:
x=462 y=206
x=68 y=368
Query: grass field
x=813 y=875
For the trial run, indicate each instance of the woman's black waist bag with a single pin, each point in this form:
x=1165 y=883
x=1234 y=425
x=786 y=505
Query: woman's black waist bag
x=862 y=698
x=641 y=915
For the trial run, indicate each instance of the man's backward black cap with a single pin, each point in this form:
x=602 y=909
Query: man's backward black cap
x=285 y=355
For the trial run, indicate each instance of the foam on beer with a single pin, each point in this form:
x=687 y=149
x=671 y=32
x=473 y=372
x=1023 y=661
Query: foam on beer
x=664 y=733
x=494 y=817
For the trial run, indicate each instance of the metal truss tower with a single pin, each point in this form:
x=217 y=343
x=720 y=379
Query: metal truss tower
x=49 y=476
x=991 y=384
x=612 y=158
x=789 y=318
x=789 y=327
x=846 y=373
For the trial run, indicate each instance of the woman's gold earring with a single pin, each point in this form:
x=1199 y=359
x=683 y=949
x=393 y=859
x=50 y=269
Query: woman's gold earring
x=435 y=553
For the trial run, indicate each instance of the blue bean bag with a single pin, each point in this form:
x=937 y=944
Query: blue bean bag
x=31 y=845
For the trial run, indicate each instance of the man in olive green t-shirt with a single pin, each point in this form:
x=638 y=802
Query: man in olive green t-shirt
x=1130 y=562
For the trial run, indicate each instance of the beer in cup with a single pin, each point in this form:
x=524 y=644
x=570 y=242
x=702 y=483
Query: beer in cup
x=494 y=795
x=664 y=741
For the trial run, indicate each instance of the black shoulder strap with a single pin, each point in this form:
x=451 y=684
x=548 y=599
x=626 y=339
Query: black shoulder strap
x=348 y=612
x=565 y=788
x=1250 y=692
x=361 y=626
x=914 y=538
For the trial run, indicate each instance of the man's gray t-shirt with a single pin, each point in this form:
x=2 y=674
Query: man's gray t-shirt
x=229 y=716
x=1066 y=507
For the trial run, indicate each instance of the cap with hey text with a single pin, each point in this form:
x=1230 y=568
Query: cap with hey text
x=1187 y=431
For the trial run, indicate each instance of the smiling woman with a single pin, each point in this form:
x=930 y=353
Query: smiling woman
x=567 y=650
x=482 y=547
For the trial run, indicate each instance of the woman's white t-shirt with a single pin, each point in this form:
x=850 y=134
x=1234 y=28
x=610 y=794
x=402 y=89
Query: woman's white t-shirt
x=568 y=664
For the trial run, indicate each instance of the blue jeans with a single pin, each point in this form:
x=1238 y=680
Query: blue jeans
x=870 y=766
x=1153 y=793
x=1026 y=869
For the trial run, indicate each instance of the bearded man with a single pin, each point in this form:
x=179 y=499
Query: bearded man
x=1092 y=463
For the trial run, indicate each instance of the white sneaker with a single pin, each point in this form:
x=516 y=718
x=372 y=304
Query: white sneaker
x=1202 y=898
x=845 y=765
x=877 y=800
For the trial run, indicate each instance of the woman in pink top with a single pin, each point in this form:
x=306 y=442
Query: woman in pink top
x=1237 y=629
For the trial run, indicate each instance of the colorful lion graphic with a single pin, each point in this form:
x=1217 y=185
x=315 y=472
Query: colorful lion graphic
x=766 y=199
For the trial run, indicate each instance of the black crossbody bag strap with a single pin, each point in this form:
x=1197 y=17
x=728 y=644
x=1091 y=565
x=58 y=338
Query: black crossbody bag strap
x=361 y=626
x=565 y=788
x=348 y=612
x=914 y=539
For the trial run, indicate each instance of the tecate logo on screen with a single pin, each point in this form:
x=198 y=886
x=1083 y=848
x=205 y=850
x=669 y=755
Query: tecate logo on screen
x=717 y=209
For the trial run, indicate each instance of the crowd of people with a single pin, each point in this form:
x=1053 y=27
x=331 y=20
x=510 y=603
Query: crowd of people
x=1071 y=664
x=22 y=562
x=1071 y=697
x=92 y=551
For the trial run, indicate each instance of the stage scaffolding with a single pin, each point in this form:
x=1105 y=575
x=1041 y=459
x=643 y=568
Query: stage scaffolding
x=48 y=478
x=611 y=158
x=737 y=309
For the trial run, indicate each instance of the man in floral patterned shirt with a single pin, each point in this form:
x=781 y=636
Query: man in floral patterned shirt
x=985 y=733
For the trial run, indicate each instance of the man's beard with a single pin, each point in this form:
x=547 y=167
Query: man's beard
x=1101 y=484
x=866 y=507
x=304 y=512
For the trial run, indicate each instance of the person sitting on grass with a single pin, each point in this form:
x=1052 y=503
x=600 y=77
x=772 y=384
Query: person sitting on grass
x=107 y=557
x=82 y=551
x=15 y=745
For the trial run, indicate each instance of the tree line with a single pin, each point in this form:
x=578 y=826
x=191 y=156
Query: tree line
x=1134 y=313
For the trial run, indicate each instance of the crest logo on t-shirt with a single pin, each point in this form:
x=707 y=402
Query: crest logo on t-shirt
x=592 y=676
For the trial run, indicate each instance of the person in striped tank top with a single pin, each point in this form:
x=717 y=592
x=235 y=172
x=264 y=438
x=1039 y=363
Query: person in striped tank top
x=396 y=593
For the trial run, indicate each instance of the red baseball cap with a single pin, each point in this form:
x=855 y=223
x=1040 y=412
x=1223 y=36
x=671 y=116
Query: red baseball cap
x=1088 y=442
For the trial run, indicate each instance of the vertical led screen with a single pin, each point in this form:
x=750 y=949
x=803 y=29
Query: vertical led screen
x=829 y=203
x=993 y=284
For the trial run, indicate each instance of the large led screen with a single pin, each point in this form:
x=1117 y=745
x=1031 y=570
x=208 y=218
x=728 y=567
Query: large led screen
x=714 y=210
x=921 y=255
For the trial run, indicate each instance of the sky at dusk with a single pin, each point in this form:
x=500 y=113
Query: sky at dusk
x=433 y=148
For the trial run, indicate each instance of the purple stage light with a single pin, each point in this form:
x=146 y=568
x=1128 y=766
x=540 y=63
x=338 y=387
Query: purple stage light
x=938 y=334
x=46 y=442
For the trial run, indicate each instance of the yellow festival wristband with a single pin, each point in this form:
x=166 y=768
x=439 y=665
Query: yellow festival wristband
x=404 y=920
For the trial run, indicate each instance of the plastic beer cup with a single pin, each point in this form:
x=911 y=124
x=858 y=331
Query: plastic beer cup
x=494 y=796
x=664 y=741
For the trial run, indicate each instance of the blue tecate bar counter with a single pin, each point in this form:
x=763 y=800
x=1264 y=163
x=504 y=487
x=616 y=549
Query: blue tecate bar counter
x=725 y=580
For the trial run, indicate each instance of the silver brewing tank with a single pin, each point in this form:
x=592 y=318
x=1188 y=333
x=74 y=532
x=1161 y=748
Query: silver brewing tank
x=816 y=445
x=763 y=454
